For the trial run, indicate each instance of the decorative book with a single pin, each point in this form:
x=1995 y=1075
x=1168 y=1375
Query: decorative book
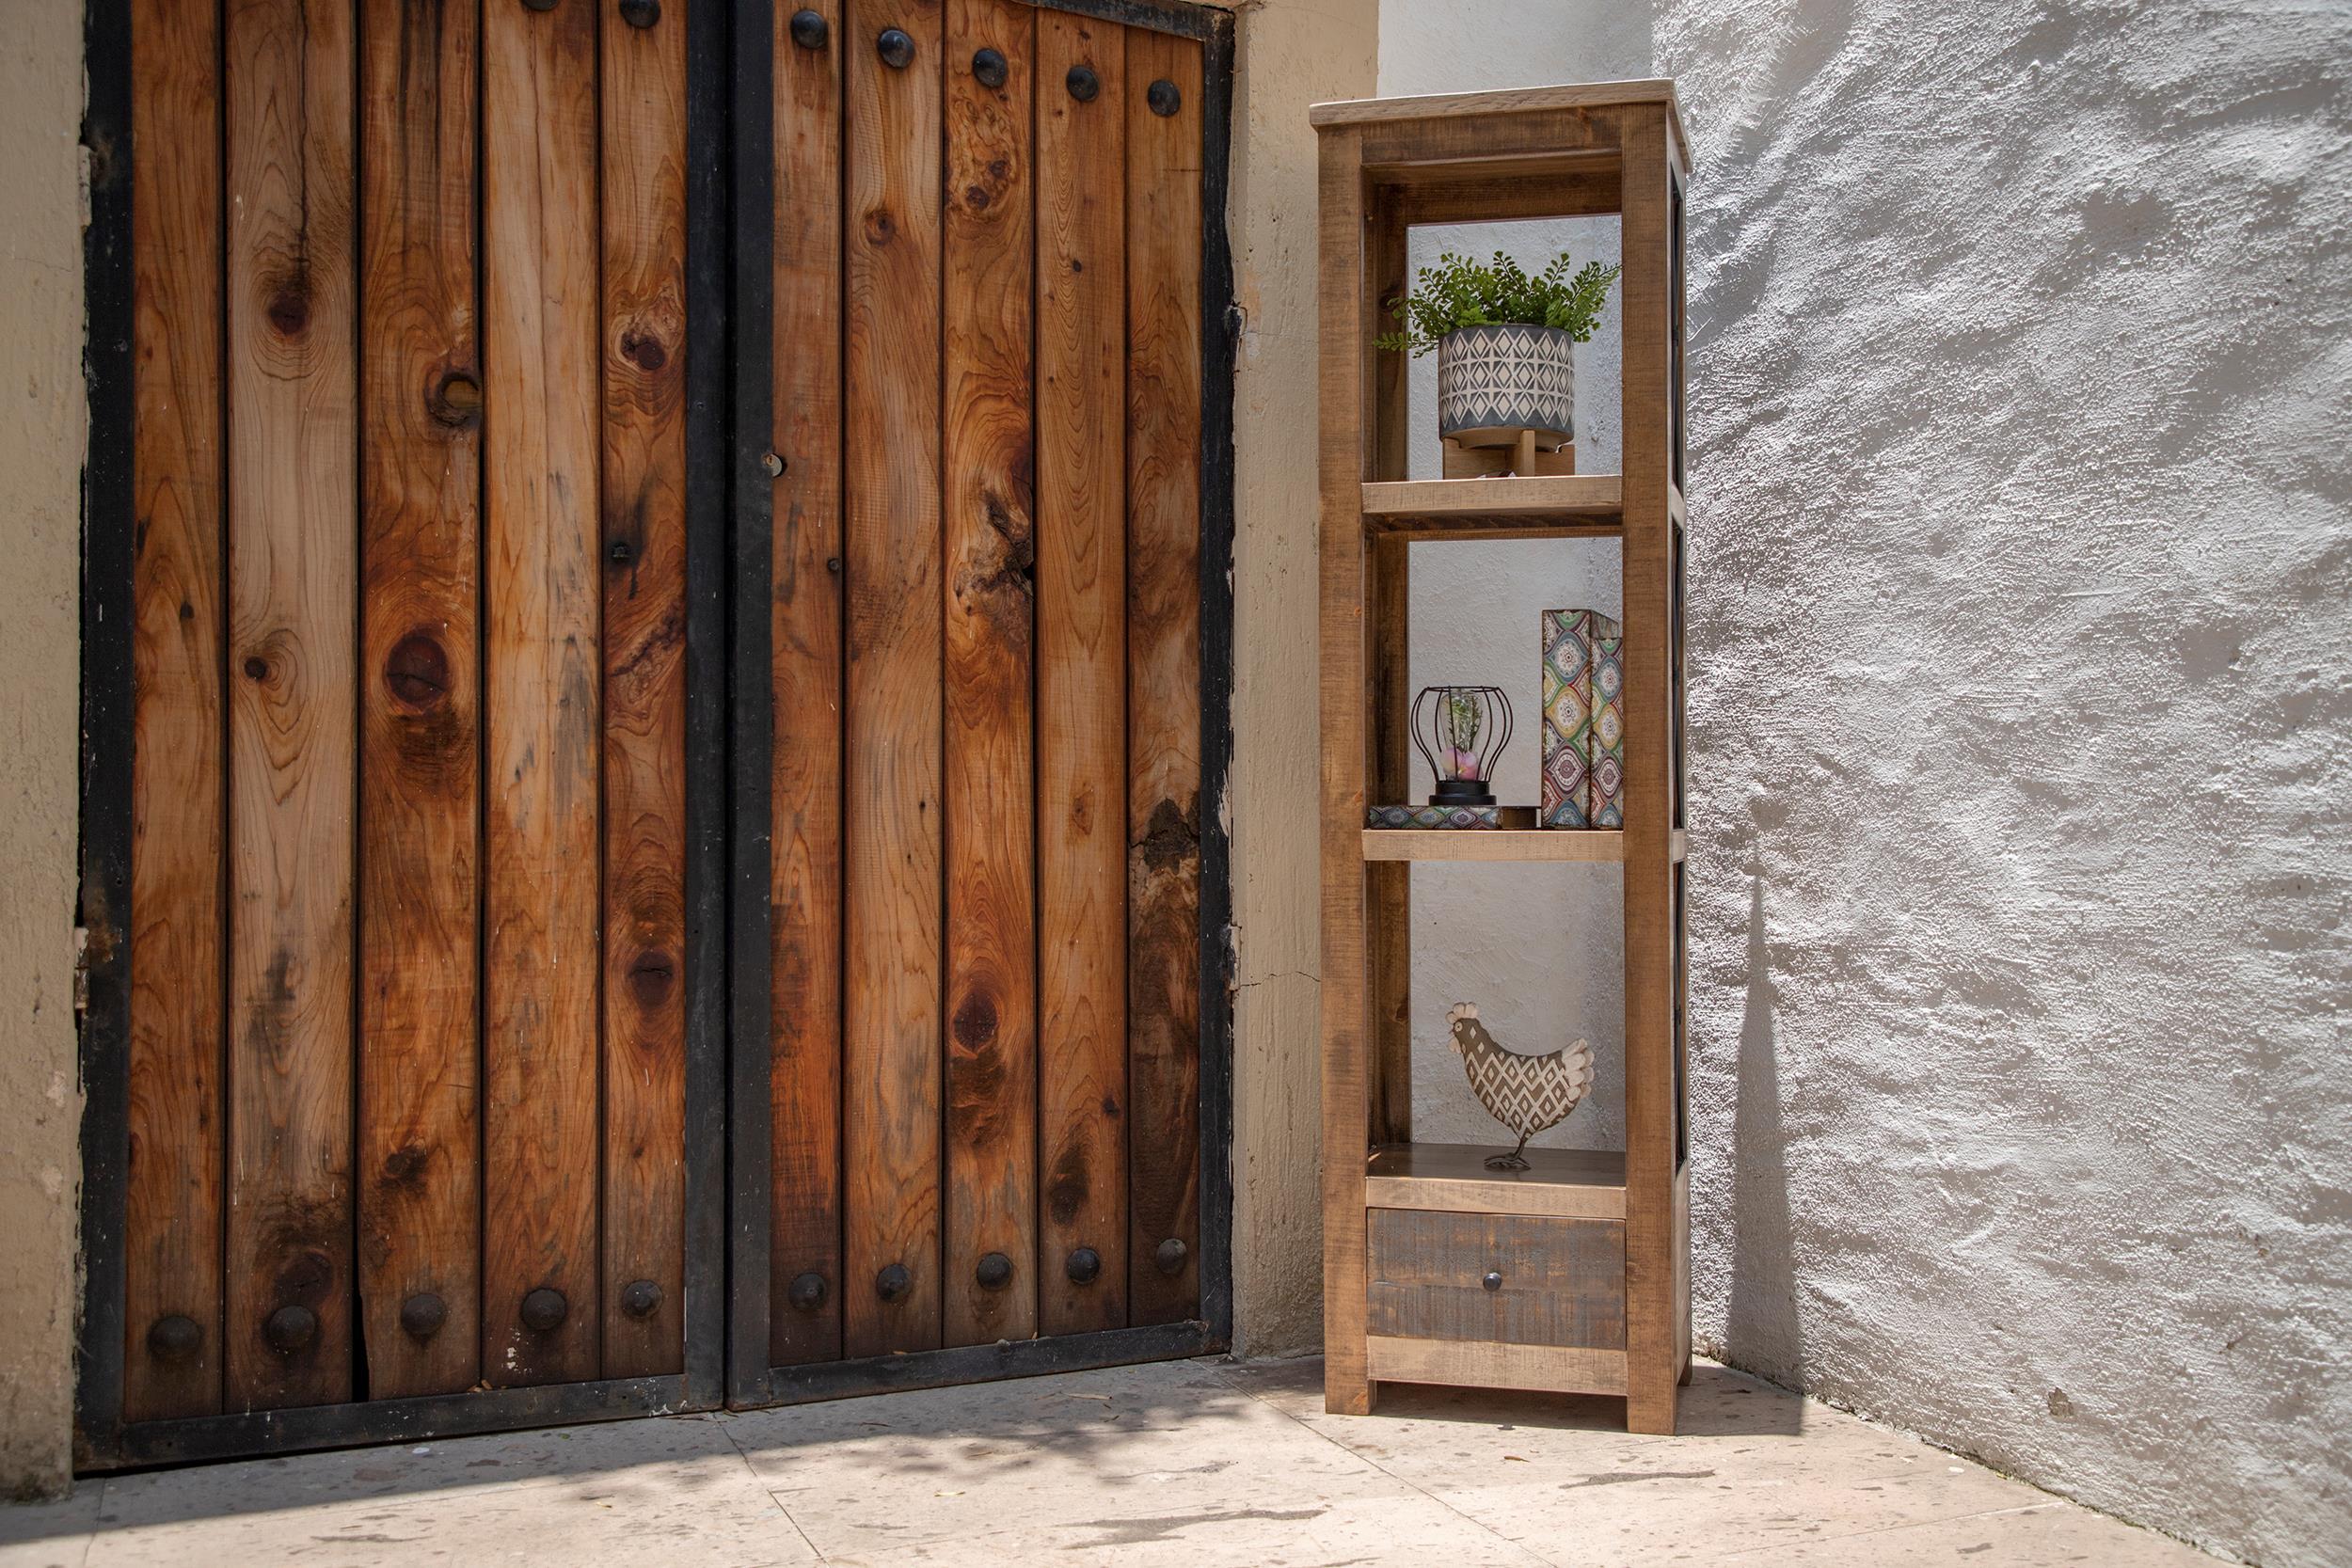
x=1448 y=817
x=1584 y=761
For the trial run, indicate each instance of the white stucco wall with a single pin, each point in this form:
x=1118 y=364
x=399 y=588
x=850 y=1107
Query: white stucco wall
x=2022 y=585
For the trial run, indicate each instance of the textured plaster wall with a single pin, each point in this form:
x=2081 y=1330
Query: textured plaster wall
x=1291 y=54
x=40 y=461
x=2022 y=560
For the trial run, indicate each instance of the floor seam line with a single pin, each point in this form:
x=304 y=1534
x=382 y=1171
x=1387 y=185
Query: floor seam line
x=1478 y=1525
x=726 y=1429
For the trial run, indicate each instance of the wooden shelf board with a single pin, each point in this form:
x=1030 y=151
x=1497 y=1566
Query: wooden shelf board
x=1494 y=843
x=1539 y=506
x=1549 y=1369
x=1507 y=101
x=1571 y=1183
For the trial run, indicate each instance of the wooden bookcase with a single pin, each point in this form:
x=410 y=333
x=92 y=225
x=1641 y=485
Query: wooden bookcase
x=1593 y=1247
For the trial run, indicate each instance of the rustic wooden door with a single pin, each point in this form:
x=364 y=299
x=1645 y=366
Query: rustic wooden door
x=980 y=954
x=393 y=752
x=654 y=696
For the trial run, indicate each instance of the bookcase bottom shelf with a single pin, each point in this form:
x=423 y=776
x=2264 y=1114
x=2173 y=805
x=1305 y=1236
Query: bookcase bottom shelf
x=1561 y=1183
x=1468 y=1363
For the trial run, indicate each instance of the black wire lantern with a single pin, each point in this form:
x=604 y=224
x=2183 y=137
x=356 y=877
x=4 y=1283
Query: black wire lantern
x=1460 y=732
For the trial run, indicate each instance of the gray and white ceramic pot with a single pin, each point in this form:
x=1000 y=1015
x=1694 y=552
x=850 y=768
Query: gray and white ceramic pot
x=1494 y=382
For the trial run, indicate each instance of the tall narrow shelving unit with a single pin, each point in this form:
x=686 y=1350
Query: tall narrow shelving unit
x=1573 y=1275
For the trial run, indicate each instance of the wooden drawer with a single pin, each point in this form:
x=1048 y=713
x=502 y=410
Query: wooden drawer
x=1562 y=1282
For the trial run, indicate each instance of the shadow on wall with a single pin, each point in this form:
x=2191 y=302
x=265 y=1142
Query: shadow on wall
x=1760 y=1331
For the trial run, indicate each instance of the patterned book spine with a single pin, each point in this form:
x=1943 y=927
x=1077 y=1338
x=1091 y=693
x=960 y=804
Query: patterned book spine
x=1583 y=720
x=1604 y=761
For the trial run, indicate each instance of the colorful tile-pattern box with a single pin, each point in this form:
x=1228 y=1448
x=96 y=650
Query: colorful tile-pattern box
x=1433 y=817
x=1584 y=761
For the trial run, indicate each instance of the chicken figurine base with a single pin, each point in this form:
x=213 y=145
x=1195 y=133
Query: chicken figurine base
x=1527 y=1094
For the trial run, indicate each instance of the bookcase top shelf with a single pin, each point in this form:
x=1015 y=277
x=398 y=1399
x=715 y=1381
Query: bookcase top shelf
x=1507 y=101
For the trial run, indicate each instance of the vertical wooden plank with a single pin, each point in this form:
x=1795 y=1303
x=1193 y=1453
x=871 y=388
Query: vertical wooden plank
x=1653 y=1360
x=1164 y=104
x=804 y=862
x=293 y=552
x=642 y=498
x=173 y=1213
x=991 y=1251
x=1389 y=952
x=1081 y=675
x=891 y=435
x=542 y=686
x=420 y=1145
x=1340 y=462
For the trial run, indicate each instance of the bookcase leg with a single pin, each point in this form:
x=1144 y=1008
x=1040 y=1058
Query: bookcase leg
x=1651 y=1410
x=1344 y=1395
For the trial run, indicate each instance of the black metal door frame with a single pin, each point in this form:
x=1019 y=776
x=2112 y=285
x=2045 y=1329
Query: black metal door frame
x=749 y=1379
x=728 y=734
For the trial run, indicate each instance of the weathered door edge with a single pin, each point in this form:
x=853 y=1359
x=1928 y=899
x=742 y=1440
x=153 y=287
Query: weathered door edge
x=109 y=524
x=750 y=1382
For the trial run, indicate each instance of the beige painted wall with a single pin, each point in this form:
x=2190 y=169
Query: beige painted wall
x=40 y=466
x=1292 y=55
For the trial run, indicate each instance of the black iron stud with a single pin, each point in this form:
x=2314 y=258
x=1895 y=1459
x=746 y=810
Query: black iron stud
x=175 y=1339
x=833 y=563
x=809 y=30
x=1164 y=98
x=539 y=4
x=290 y=1329
x=1085 y=1266
x=641 y=13
x=544 y=1309
x=620 y=552
x=423 y=1315
x=994 y=1271
x=896 y=49
x=894 y=1282
x=1170 y=1255
x=988 y=68
x=806 y=1292
x=1493 y=1281
x=1083 y=84
x=641 y=1298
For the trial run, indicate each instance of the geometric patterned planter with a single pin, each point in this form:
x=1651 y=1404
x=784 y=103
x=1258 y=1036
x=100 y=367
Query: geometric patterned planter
x=1494 y=382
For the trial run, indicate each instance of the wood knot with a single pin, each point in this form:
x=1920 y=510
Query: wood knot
x=289 y=309
x=650 y=978
x=975 y=1021
x=644 y=351
x=416 y=672
x=455 y=401
x=881 y=228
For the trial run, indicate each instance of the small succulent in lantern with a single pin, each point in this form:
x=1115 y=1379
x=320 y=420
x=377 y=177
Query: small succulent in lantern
x=1460 y=731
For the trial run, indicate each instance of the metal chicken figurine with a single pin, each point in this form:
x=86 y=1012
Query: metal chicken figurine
x=1526 y=1093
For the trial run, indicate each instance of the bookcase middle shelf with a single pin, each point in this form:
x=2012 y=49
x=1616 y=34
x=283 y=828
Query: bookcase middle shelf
x=1503 y=844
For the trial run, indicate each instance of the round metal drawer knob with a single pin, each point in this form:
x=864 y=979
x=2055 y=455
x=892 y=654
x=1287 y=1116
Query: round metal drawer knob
x=545 y=1309
x=895 y=48
x=806 y=1292
x=175 y=1339
x=810 y=30
x=894 y=1282
x=290 y=1329
x=641 y=1298
x=994 y=1271
x=423 y=1315
x=1493 y=1280
x=1085 y=1266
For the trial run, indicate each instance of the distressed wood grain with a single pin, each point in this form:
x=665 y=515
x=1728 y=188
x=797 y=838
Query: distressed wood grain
x=1081 y=677
x=543 y=691
x=419 y=757
x=991 y=1230
x=172 y=1214
x=293 y=552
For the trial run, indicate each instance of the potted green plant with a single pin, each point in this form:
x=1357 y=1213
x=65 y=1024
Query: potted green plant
x=1504 y=342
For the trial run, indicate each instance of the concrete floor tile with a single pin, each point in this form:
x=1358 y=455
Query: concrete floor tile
x=50 y=1535
x=2052 y=1533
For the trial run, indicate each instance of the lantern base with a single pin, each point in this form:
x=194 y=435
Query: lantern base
x=1462 y=792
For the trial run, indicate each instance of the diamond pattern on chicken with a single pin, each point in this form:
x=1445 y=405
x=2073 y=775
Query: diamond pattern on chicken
x=1526 y=1093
